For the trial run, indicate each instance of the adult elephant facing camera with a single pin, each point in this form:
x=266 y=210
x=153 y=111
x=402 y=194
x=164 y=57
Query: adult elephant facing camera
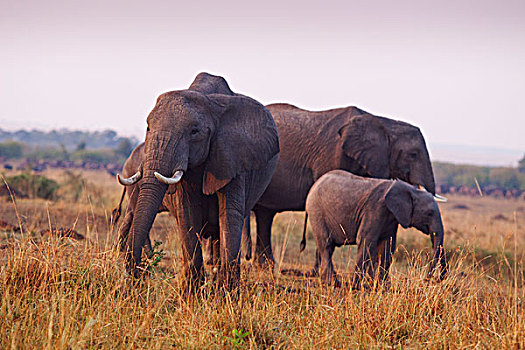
x=313 y=143
x=215 y=154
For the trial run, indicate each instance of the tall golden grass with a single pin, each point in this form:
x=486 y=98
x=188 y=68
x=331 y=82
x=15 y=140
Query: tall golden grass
x=58 y=293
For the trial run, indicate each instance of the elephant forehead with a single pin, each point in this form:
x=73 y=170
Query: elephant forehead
x=177 y=108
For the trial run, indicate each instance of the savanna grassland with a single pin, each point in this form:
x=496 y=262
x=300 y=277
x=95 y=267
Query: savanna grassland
x=65 y=293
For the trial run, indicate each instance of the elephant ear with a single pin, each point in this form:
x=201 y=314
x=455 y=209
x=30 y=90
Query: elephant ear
x=245 y=139
x=366 y=141
x=398 y=200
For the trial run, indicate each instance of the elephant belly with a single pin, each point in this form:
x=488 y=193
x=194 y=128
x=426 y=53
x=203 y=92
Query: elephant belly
x=257 y=182
x=343 y=234
x=287 y=189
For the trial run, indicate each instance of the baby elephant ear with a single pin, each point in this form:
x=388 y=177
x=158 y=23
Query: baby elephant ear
x=246 y=139
x=366 y=141
x=398 y=200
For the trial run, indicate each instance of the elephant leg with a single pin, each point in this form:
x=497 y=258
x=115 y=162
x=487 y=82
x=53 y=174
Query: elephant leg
x=385 y=249
x=212 y=248
x=124 y=230
x=207 y=250
x=247 y=238
x=215 y=248
x=189 y=222
x=231 y=218
x=212 y=235
x=366 y=262
x=315 y=271
x=263 y=248
x=327 y=271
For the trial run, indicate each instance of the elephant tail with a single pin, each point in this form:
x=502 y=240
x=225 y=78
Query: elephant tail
x=115 y=215
x=303 y=242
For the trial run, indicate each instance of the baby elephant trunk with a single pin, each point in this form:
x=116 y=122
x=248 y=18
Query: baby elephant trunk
x=438 y=253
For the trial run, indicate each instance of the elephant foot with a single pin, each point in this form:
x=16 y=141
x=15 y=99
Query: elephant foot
x=192 y=282
x=264 y=261
x=312 y=273
x=229 y=277
x=248 y=255
x=331 y=280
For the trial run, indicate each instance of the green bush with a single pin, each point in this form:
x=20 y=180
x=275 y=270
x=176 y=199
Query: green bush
x=101 y=157
x=521 y=165
x=464 y=175
x=48 y=153
x=11 y=149
x=34 y=186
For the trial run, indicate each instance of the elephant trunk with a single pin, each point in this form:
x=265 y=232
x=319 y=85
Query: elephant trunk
x=428 y=179
x=150 y=199
x=437 y=236
x=158 y=160
x=427 y=174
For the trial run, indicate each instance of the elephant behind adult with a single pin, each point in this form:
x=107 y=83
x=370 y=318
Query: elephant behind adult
x=313 y=143
x=215 y=153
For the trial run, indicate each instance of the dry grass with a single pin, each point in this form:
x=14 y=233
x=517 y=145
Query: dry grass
x=60 y=293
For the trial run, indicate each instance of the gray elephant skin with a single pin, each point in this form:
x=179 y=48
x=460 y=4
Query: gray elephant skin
x=214 y=152
x=313 y=143
x=347 y=209
x=133 y=164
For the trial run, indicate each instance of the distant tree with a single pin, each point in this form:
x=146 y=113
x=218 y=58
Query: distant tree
x=65 y=153
x=94 y=156
x=81 y=146
x=507 y=178
x=124 y=147
x=11 y=149
x=521 y=164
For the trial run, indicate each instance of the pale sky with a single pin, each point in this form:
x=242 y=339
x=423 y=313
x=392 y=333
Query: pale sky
x=456 y=69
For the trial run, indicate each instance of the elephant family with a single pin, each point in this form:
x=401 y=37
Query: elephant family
x=347 y=209
x=313 y=143
x=214 y=153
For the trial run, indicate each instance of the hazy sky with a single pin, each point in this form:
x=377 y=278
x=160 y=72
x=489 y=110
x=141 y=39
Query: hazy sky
x=454 y=68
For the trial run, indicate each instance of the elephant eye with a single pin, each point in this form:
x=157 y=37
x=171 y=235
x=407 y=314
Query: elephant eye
x=194 y=131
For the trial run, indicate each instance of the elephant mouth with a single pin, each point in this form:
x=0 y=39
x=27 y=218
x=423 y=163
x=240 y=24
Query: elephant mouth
x=177 y=176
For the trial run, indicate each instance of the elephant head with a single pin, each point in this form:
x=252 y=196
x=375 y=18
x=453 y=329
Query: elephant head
x=206 y=139
x=417 y=208
x=385 y=148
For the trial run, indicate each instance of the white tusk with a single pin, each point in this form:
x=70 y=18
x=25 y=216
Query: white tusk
x=439 y=198
x=169 y=180
x=131 y=180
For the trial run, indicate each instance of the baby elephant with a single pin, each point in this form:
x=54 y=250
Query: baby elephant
x=347 y=209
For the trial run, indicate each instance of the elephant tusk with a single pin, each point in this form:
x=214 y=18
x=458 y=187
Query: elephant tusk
x=169 y=180
x=131 y=180
x=439 y=198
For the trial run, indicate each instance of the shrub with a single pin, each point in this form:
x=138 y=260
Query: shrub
x=11 y=149
x=34 y=186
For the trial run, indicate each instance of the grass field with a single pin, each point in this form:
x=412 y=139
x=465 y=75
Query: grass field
x=62 y=293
